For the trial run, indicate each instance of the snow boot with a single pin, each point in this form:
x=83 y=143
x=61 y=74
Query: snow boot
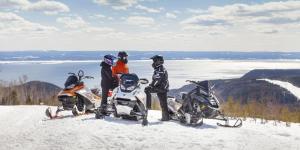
x=165 y=116
x=101 y=112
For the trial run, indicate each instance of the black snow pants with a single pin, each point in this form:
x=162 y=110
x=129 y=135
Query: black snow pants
x=162 y=96
x=105 y=91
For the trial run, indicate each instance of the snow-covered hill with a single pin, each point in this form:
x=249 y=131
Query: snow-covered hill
x=26 y=127
x=288 y=86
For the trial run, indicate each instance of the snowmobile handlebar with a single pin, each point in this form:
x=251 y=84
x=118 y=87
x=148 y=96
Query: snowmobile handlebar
x=88 y=77
x=80 y=75
x=191 y=81
x=144 y=81
x=198 y=84
x=71 y=73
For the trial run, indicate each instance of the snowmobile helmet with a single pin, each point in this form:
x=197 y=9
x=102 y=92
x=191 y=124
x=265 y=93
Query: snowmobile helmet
x=109 y=59
x=157 y=60
x=122 y=56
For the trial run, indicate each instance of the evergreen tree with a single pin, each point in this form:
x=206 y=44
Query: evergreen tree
x=14 y=98
x=29 y=100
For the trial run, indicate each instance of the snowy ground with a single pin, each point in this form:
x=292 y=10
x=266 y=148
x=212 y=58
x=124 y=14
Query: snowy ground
x=26 y=127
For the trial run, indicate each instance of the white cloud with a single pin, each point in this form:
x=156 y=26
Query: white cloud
x=102 y=2
x=14 y=3
x=196 y=11
x=177 y=12
x=117 y=4
x=147 y=9
x=171 y=15
x=72 y=22
x=77 y=24
x=140 y=21
x=97 y=16
x=11 y=23
x=206 y=20
x=101 y=17
x=49 y=7
x=263 y=17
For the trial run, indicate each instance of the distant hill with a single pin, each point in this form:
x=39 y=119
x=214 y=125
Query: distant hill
x=248 y=88
x=271 y=73
x=45 y=86
x=33 y=92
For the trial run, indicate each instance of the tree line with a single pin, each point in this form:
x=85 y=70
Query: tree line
x=16 y=93
x=262 y=110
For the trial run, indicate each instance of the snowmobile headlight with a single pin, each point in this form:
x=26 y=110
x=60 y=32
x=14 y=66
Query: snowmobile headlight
x=70 y=86
x=123 y=87
x=212 y=102
x=130 y=88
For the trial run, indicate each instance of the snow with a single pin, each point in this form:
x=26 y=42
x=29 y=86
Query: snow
x=286 y=85
x=26 y=127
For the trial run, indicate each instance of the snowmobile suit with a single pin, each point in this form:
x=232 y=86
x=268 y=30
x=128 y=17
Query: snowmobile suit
x=159 y=85
x=120 y=68
x=106 y=81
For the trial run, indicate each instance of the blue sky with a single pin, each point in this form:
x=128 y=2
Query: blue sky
x=194 y=25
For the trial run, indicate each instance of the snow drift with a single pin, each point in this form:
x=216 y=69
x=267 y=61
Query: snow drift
x=26 y=127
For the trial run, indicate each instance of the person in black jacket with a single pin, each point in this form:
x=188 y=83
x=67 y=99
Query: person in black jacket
x=107 y=80
x=159 y=85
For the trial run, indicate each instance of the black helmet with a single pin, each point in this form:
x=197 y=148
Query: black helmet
x=157 y=60
x=109 y=59
x=122 y=55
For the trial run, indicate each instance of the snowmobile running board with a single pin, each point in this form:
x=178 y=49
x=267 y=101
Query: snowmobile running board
x=238 y=123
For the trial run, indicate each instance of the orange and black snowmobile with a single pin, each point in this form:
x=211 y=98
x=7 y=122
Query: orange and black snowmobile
x=76 y=96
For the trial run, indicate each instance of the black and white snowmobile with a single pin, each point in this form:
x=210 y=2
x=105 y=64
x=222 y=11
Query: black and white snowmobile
x=197 y=104
x=76 y=97
x=128 y=100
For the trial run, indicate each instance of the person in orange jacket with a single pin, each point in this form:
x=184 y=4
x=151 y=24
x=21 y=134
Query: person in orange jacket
x=121 y=66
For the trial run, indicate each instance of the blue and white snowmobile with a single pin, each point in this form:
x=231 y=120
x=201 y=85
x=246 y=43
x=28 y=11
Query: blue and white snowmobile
x=128 y=100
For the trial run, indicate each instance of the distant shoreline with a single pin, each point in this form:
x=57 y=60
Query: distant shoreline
x=144 y=60
x=145 y=55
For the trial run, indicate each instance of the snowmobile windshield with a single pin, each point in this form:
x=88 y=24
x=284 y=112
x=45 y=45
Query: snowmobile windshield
x=129 y=82
x=71 y=80
x=205 y=86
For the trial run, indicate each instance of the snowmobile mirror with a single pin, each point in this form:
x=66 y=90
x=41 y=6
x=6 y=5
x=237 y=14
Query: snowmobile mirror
x=80 y=73
x=144 y=81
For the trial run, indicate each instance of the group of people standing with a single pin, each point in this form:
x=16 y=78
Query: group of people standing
x=159 y=84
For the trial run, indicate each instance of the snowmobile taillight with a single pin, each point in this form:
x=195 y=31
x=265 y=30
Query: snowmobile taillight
x=109 y=93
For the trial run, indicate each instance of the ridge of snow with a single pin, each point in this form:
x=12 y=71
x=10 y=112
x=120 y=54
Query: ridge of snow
x=286 y=85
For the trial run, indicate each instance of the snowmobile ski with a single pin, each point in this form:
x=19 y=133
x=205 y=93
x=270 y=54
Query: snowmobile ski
x=76 y=112
x=238 y=123
x=49 y=113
